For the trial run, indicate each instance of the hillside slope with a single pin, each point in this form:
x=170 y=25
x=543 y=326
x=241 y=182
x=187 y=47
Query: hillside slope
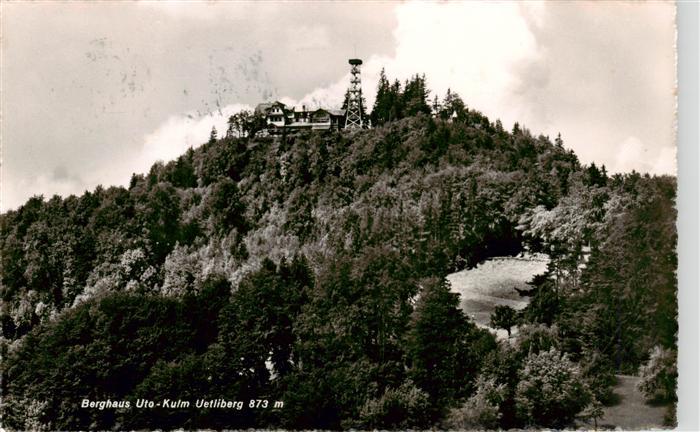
x=310 y=269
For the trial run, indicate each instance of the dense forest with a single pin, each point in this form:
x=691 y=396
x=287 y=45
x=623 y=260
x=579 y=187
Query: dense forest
x=310 y=269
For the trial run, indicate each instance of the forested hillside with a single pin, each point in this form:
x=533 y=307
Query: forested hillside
x=310 y=269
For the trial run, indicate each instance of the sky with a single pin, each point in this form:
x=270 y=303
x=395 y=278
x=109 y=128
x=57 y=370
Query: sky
x=93 y=92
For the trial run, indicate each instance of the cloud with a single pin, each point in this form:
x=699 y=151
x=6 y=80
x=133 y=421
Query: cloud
x=170 y=140
x=594 y=73
x=633 y=154
x=603 y=76
x=474 y=48
x=48 y=185
x=304 y=38
x=504 y=60
x=470 y=47
x=167 y=142
x=119 y=72
x=181 y=132
x=666 y=161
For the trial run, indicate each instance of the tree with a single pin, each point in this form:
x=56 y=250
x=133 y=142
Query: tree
x=405 y=408
x=593 y=411
x=256 y=123
x=594 y=176
x=504 y=317
x=551 y=391
x=453 y=105
x=159 y=214
x=213 y=135
x=659 y=375
x=414 y=99
x=240 y=124
x=395 y=99
x=383 y=101
x=629 y=283
x=558 y=141
x=181 y=172
x=258 y=322
x=102 y=349
x=481 y=410
x=436 y=106
x=443 y=345
x=224 y=204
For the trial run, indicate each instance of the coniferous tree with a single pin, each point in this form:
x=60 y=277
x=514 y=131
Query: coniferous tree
x=382 y=102
x=436 y=106
x=396 y=106
x=443 y=346
x=558 y=141
x=414 y=98
x=452 y=105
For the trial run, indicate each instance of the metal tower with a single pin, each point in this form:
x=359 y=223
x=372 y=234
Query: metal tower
x=353 y=114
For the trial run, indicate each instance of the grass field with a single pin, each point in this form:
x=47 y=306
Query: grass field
x=631 y=412
x=493 y=283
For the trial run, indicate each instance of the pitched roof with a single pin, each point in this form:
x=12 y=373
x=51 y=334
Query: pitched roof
x=262 y=107
x=335 y=112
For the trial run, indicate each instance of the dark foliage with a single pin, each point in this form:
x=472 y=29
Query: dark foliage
x=504 y=317
x=309 y=269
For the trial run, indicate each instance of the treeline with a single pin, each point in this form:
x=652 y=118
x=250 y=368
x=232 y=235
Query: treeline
x=608 y=300
x=395 y=101
x=310 y=269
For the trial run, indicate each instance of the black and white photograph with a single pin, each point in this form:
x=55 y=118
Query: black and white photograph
x=321 y=215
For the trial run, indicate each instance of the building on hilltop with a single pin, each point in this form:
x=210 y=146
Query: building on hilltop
x=279 y=117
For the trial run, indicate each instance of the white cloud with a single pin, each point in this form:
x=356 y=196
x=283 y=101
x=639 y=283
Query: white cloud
x=633 y=154
x=167 y=142
x=666 y=162
x=601 y=90
x=48 y=185
x=179 y=133
x=470 y=47
x=489 y=54
x=307 y=38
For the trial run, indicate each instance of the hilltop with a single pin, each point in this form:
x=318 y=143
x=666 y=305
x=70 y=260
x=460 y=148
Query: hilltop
x=310 y=269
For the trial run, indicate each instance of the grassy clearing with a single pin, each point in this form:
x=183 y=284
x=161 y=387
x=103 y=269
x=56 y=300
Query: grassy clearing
x=493 y=282
x=630 y=412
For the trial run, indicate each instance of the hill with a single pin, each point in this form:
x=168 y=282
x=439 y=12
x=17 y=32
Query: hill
x=309 y=269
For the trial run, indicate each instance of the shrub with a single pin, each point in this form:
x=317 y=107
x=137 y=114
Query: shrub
x=551 y=391
x=659 y=375
x=400 y=408
x=600 y=374
x=536 y=338
x=481 y=411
